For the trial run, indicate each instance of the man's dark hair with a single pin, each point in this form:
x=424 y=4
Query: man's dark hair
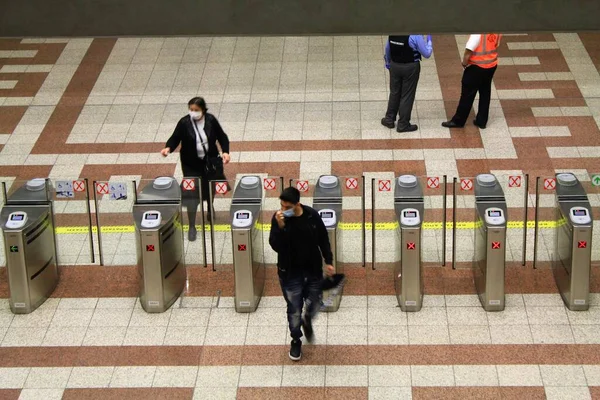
x=199 y=101
x=291 y=195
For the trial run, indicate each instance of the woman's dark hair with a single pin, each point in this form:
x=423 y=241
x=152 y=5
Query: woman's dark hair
x=199 y=101
x=290 y=195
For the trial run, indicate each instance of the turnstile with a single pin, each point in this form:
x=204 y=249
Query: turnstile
x=30 y=247
x=327 y=201
x=159 y=236
x=572 y=260
x=247 y=242
x=409 y=206
x=490 y=242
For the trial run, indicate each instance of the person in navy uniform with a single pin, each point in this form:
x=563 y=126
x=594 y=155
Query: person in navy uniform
x=403 y=59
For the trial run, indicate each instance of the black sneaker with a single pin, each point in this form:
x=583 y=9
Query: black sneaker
x=308 y=329
x=192 y=234
x=296 y=350
x=409 y=128
x=480 y=126
x=387 y=123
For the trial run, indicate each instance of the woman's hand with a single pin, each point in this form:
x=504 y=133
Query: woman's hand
x=165 y=152
x=226 y=158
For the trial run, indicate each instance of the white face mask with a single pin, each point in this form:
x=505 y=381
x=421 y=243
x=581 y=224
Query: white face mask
x=196 y=115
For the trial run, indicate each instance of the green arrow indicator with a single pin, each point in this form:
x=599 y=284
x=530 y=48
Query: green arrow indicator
x=14 y=249
x=596 y=180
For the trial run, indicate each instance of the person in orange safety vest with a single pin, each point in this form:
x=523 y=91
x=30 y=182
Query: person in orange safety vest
x=480 y=61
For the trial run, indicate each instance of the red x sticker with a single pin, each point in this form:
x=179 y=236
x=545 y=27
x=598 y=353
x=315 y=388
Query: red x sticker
x=241 y=247
x=582 y=245
x=149 y=247
x=411 y=246
x=495 y=245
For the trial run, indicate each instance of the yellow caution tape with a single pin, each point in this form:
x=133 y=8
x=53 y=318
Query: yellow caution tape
x=345 y=226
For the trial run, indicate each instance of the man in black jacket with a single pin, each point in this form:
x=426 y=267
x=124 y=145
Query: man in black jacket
x=300 y=239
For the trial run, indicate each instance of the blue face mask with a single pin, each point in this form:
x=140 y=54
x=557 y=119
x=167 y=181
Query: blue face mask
x=288 y=213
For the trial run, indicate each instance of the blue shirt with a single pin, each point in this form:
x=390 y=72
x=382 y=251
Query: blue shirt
x=417 y=43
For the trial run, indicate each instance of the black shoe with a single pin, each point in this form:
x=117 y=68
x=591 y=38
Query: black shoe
x=387 y=123
x=409 y=128
x=308 y=329
x=296 y=350
x=208 y=218
x=480 y=126
x=451 y=124
x=192 y=234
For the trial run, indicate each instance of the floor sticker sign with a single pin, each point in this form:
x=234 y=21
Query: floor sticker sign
x=117 y=190
x=64 y=190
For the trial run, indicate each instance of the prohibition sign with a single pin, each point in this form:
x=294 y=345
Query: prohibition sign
x=433 y=182
x=385 y=185
x=302 y=186
x=466 y=184
x=102 y=188
x=351 y=183
x=79 y=186
x=189 y=184
x=514 y=181
x=269 y=184
x=221 y=187
x=549 y=183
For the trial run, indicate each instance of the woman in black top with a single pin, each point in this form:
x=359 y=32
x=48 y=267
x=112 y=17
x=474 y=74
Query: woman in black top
x=198 y=132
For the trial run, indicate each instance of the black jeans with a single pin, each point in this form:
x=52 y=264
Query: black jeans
x=403 y=87
x=475 y=79
x=296 y=291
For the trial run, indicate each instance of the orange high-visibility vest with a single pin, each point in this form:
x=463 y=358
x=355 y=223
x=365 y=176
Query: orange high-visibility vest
x=486 y=54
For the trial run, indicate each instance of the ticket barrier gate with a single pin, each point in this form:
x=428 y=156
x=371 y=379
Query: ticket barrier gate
x=490 y=242
x=247 y=242
x=327 y=201
x=30 y=247
x=572 y=261
x=159 y=237
x=409 y=205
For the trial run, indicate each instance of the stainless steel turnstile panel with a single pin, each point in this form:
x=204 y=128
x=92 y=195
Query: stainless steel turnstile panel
x=160 y=258
x=408 y=271
x=490 y=261
x=249 y=268
x=572 y=263
x=408 y=274
x=330 y=198
x=30 y=257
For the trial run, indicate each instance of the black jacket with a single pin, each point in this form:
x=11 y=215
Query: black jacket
x=317 y=244
x=185 y=134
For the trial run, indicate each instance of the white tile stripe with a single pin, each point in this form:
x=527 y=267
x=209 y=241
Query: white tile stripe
x=362 y=320
x=371 y=376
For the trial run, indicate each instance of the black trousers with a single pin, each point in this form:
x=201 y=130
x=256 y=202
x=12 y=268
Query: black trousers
x=403 y=87
x=191 y=198
x=475 y=79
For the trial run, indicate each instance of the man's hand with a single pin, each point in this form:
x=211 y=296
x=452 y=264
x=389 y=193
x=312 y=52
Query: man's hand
x=165 y=152
x=280 y=219
x=329 y=270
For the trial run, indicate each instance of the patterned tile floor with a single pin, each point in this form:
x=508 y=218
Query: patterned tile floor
x=296 y=107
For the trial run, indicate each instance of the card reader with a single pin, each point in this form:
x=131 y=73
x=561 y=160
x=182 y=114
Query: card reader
x=151 y=219
x=242 y=219
x=410 y=217
x=328 y=216
x=16 y=220
x=580 y=215
x=494 y=216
